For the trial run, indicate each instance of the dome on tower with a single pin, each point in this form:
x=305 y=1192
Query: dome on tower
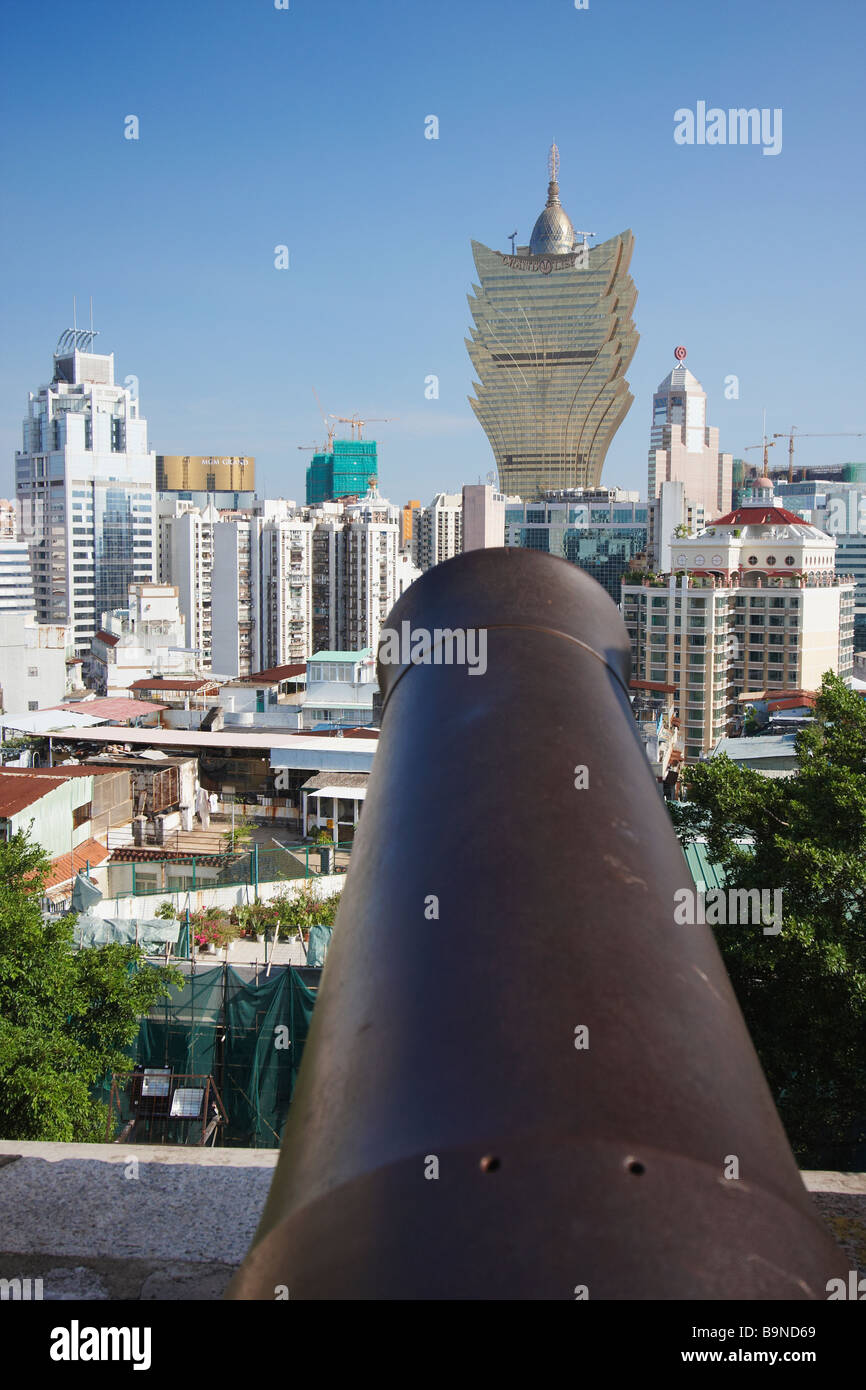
x=553 y=233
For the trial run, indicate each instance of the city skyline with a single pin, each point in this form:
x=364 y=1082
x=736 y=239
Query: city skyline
x=728 y=258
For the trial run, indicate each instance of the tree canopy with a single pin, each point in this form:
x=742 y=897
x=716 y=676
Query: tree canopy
x=803 y=991
x=65 y=1014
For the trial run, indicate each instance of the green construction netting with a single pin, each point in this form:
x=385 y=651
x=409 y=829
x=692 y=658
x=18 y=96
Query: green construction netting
x=247 y=1033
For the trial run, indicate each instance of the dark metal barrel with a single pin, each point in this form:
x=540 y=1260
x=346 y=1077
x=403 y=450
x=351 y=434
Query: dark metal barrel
x=523 y=1078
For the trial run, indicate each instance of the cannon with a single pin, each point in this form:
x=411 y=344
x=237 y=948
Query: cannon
x=524 y=1078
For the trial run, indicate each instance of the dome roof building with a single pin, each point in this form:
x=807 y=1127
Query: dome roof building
x=552 y=339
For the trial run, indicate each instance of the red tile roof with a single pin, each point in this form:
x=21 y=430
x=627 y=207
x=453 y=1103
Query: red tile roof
x=273 y=674
x=132 y=854
x=114 y=708
x=62 y=871
x=757 y=516
x=107 y=637
x=166 y=683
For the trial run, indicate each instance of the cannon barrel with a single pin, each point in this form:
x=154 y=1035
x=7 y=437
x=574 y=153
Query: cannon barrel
x=525 y=1079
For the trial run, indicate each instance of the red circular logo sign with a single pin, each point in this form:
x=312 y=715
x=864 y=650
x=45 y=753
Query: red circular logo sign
x=680 y=354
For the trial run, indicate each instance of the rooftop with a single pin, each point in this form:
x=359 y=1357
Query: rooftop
x=743 y=750
x=113 y=709
x=175 y=683
x=226 y=738
x=342 y=656
x=65 y=866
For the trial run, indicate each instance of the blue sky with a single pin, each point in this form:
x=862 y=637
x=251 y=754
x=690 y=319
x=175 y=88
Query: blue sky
x=305 y=127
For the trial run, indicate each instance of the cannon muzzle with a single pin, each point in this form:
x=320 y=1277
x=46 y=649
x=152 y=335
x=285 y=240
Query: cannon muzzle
x=524 y=1077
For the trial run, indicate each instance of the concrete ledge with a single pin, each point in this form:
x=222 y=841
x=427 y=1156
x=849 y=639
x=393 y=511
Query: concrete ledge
x=137 y=1221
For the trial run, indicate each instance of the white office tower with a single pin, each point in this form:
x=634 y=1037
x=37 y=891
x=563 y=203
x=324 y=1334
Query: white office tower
x=85 y=490
x=437 y=530
x=683 y=448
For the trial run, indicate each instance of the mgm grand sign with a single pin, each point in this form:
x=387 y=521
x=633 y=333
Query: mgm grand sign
x=578 y=260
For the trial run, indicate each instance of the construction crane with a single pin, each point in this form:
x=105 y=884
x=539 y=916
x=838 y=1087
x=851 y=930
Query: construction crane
x=767 y=444
x=354 y=422
x=794 y=433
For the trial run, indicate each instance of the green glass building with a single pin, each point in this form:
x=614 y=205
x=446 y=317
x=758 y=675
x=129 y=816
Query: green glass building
x=600 y=532
x=552 y=339
x=347 y=471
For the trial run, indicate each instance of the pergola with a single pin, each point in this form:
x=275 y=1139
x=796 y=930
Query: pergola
x=334 y=787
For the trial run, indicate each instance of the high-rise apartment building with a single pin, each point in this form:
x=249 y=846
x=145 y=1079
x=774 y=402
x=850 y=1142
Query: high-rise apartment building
x=437 y=530
x=8 y=520
x=754 y=605
x=186 y=561
x=235 y=595
x=85 y=490
x=358 y=572
x=684 y=448
x=406 y=523
x=551 y=342
x=285 y=572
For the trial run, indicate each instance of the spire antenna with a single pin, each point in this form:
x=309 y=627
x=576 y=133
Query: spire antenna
x=553 y=163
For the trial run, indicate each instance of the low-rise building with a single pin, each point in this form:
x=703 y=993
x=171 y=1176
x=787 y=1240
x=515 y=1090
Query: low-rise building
x=145 y=639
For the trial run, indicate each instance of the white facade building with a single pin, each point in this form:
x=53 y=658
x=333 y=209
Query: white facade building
x=483 y=516
x=146 y=638
x=85 y=490
x=437 y=530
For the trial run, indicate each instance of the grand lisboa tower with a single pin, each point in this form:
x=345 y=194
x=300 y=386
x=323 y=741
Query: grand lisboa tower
x=552 y=339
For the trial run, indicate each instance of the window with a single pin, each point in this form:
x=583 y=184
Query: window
x=32 y=705
x=82 y=814
x=33 y=670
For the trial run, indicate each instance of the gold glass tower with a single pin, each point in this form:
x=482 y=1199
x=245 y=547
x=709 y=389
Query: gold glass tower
x=552 y=339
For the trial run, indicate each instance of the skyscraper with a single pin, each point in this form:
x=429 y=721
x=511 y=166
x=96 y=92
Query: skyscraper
x=552 y=339
x=684 y=448
x=85 y=490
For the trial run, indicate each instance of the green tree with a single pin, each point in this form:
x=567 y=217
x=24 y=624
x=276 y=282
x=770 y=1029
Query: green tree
x=65 y=1014
x=803 y=991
